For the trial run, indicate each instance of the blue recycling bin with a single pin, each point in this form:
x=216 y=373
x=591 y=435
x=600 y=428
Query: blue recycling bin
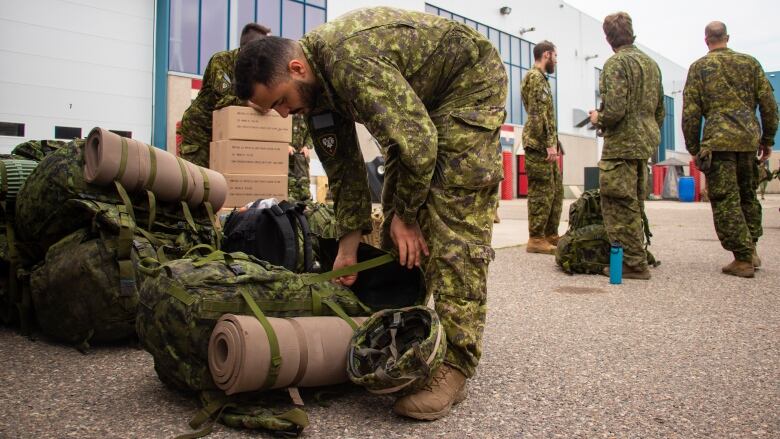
x=686 y=187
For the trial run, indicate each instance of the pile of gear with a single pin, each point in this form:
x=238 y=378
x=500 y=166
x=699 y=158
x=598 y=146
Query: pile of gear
x=585 y=246
x=107 y=239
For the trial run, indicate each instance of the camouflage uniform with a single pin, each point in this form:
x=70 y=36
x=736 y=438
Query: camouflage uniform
x=215 y=93
x=725 y=87
x=545 y=187
x=633 y=113
x=432 y=92
x=298 y=172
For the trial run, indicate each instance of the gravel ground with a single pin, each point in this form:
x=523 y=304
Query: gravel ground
x=690 y=353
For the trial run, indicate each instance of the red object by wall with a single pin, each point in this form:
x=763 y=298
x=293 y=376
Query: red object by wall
x=659 y=172
x=508 y=182
x=696 y=174
x=522 y=177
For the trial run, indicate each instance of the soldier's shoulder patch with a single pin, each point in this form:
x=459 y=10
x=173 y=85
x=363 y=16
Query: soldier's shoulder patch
x=329 y=143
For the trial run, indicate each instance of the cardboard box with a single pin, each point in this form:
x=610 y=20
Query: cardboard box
x=244 y=123
x=249 y=157
x=244 y=189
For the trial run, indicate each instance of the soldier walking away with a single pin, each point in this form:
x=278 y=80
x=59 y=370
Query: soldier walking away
x=215 y=93
x=540 y=141
x=725 y=87
x=631 y=120
x=432 y=92
x=298 y=171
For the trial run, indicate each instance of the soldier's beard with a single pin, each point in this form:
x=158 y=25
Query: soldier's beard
x=550 y=67
x=308 y=95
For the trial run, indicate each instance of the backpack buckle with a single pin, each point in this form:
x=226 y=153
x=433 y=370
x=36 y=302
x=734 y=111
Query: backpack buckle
x=236 y=269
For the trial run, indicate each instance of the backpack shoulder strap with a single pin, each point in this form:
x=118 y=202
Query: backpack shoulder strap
x=296 y=214
x=285 y=227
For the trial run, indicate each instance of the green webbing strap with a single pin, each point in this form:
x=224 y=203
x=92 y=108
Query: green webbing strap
x=124 y=244
x=203 y=415
x=125 y=199
x=149 y=266
x=152 y=167
x=336 y=308
x=123 y=161
x=206 y=186
x=316 y=303
x=219 y=255
x=352 y=269
x=184 y=180
x=214 y=223
x=3 y=180
x=273 y=342
x=296 y=416
x=152 y=209
x=155 y=241
x=179 y=293
x=188 y=216
x=198 y=247
x=270 y=305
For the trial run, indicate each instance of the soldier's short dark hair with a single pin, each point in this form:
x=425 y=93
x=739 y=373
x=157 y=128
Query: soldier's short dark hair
x=541 y=47
x=262 y=61
x=252 y=31
x=619 y=29
x=715 y=32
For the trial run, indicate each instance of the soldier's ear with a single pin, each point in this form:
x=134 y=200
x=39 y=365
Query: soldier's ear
x=296 y=68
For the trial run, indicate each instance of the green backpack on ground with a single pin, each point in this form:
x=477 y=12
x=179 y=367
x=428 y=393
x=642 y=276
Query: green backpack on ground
x=585 y=247
x=79 y=244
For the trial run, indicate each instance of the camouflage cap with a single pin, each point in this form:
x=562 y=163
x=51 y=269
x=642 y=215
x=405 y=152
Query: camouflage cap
x=397 y=349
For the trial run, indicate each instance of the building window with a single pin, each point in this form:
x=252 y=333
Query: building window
x=11 y=129
x=518 y=58
x=598 y=87
x=128 y=134
x=67 y=133
x=200 y=28
x=667 y=130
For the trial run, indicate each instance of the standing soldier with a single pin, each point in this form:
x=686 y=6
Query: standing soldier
x=631 y=120
x=215 y=93
x=432 y=92
x=540 y=140
x=298 y=172
x=725 y=87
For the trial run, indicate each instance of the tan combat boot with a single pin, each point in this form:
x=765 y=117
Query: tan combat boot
x=540 y=245
x=553 y=239
x=434 y=401
x=632 y=273
x=740 y=268
x=756 y=259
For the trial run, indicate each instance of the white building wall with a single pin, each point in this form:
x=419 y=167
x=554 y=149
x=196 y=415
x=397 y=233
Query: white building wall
x=76 y=63
x=576 y=35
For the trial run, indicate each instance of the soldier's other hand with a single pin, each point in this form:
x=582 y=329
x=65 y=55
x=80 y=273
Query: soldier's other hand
x=764 y=152
x=342 y=261
x=305 y=151
x=703 y=159
x=409 y=241
x=290 y=150
x=594 y=117
x=552 y=155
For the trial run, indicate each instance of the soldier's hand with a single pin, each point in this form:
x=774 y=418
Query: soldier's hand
x=290 y=150
x=409 y=241
x=552 y=155
x=764 y=152
x=594 y=117
x=347 y=255
x=305 y=151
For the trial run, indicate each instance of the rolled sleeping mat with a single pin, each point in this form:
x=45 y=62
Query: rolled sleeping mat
x=313 y=352
x=13 y=173
x=208 y=185
x=138 y=166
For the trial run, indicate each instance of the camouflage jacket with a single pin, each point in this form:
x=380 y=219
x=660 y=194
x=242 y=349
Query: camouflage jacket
x=725 y=87
x=633 y=99
x=216 y=92
x=401 y=73
x=540 y=131
x=300 y=133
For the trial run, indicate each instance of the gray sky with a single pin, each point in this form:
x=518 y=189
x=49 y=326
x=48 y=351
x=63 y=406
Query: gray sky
x=675 y=28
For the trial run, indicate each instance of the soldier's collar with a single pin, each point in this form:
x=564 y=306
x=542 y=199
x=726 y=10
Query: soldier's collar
x=326 y=99
x=625 y=47
x=546 y=76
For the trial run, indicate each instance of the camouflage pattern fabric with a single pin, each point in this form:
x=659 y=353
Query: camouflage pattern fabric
x=397 y=350
x=432 y=92
x=182 y=300
x=540 y=131
x=731 y=186
x=216 y=92
x=725 y=87
x=586 y=210
x=298 y=172
x=584 y=250
x=36 y=149
x=623 y=186
x=633 y=98
x=545 y=194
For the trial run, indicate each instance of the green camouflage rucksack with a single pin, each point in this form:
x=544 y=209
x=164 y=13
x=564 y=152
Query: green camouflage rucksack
x=585 y=247
x=79 y=245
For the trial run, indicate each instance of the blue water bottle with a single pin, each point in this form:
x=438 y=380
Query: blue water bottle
x=616 y=264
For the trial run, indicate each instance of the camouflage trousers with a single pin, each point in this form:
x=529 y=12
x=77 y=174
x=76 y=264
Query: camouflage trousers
x=298 y=189
x=545 y=194
x=731 y=185
x=623 y=185
x=195 y=134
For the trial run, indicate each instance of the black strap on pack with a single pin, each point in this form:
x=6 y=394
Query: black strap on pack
x=295 y=212
x=290 y=240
